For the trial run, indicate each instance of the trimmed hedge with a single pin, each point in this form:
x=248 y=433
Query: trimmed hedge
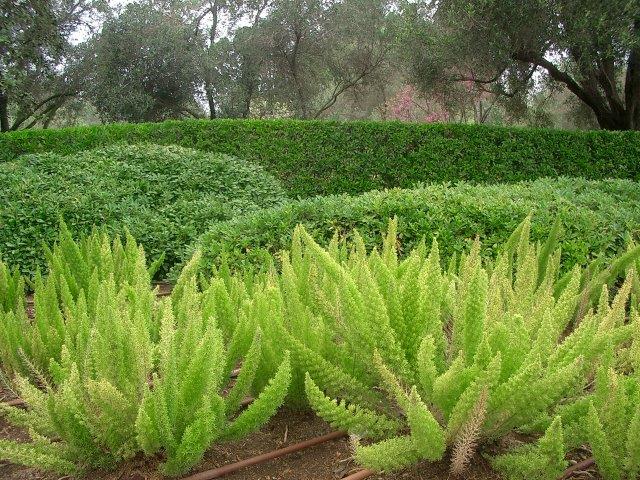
x=597 y=216
x=328 y=157
x=166 y=196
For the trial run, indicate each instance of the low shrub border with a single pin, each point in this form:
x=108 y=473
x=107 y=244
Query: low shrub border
x=596 y=217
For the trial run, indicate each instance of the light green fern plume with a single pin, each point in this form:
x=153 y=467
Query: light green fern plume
x=352 y=418
x=66 y=301
x=184 y=411
x=612 y=425
x=606 y=419
x=108 y=371
x=543 y=460
x=488 y=346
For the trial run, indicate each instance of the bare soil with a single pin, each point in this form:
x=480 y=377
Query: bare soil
x=327 y=461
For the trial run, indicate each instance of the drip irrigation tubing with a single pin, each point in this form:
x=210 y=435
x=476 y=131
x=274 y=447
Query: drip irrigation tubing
x=360 y=475
x=573 y=469
x=232 y=467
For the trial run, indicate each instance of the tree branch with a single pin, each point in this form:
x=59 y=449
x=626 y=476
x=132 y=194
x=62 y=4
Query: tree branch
x=474 y=79
x=199 y=19
x=191 y=112
x=20 y=120
x=259 y=11
x=337 y=91
x=603 y=115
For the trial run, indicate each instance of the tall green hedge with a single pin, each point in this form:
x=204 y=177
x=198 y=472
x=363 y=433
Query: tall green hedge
x=597 y=217
x=327 y=157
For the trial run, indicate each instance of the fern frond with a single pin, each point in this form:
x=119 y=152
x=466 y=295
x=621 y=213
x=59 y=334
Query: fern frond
x=465 y=444
x=605 y=457
x=388 y=455
x=427 y=434
x=263 y=407
x=542 y=461
x=245 y=377
x=632 y=446
x=349 y=417
x=32 y=456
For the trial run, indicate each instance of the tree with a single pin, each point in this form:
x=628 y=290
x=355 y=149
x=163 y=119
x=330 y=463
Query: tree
x=320 y=50
x=36 y=58
x=591 y=47
x=236 y=72
x=221 y=61
x=145 y=66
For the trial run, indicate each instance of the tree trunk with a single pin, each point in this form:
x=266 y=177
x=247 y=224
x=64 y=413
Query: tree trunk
x=246 y=109
x=4 y=112
x=210 y=101
x=632 y=83
x=623 y=118
x=610 y=121
x=213 y=30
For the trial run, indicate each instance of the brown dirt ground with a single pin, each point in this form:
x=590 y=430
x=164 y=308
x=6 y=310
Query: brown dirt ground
x=327 y=461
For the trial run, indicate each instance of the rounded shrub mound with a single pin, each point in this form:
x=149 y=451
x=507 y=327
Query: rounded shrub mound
x=166 y=196
x=595 y=217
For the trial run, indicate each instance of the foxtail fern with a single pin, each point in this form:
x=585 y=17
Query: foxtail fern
x=107 y=371
x=462 y=356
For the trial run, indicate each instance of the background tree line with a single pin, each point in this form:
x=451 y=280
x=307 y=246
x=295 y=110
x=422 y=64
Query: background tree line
x=559 y=63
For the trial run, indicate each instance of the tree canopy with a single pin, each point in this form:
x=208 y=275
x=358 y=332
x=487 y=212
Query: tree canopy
x=563 y=63
x=38 y=70
x=589 y=47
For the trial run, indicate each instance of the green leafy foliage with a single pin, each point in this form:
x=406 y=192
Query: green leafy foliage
x=165 y=196
x=329 y=157
x=595 y=218
x=463 y=355
x=107 y=371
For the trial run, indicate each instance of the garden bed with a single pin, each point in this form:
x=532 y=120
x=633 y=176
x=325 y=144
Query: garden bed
x=328 y=461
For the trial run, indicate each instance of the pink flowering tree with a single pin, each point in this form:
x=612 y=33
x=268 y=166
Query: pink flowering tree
x=408 y=106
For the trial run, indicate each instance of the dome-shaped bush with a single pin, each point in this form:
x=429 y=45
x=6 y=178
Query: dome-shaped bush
x=165 y=195
x=595 y=215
